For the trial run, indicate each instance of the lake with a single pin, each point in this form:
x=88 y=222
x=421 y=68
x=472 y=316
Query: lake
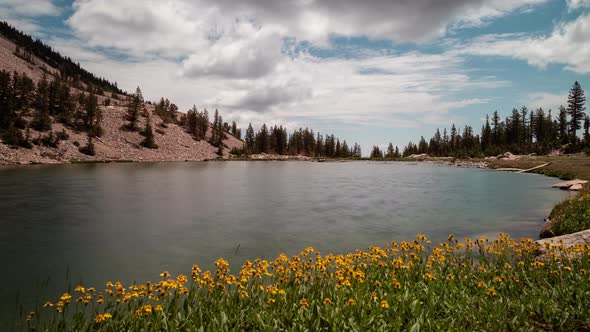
x=68 y=224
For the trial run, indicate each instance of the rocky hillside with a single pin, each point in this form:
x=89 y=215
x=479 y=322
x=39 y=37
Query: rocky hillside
x=174 y=142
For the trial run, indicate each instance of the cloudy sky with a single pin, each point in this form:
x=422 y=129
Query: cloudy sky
x=373 y=71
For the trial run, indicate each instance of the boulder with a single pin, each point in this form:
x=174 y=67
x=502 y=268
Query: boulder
x=546 y=231
x=576 y=187
x=419 y=156
x=566 y=241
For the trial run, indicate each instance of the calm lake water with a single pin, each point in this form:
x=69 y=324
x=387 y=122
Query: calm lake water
x=61 y=225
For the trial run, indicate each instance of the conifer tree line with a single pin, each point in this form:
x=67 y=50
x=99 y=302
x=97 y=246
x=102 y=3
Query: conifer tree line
x=276 y=140
x=524 y=131
x=197 y=124
x=27 y=47
x=25 y=105
x=391 y=152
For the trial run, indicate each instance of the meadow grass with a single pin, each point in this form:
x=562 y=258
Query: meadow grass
x=572 y=215
x=454 y=285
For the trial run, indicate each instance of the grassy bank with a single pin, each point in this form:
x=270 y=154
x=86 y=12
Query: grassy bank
x=456 y=285
x=566 y=168
x=572 y=215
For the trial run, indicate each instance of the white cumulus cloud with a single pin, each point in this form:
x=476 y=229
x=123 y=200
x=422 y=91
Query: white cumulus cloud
x=568 y=45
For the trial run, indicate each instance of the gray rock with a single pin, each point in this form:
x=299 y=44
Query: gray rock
x=566 y=241
x=546 y=231
x=568 y=184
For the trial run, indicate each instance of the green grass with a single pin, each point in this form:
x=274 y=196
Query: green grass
x=457 y=285
x=572 y=215
x=565 y=167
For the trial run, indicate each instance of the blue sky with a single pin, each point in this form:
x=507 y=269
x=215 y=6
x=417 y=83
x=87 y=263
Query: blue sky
x=373 y=71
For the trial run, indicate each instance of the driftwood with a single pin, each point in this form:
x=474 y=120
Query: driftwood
x=534 y=168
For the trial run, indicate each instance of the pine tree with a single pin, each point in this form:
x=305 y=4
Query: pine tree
x=249 y=139
x=148 y=133
x=42 y=120
x=262 y=143
x=89 y=148
x=390 y=154
x=376 y=153
x=133 y=109
x=234 y=130
x=575 y=109
x=586 y=128
x=495 y=128
x=563 y=131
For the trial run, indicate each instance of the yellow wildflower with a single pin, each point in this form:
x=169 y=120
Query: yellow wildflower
x=351 y=301
x=384 y=304
x=102 y=317
x=304 y=303
x=66 y=297
x=491 y=292
x=327 y=300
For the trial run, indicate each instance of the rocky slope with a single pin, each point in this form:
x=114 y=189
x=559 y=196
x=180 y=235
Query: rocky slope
x=174 y=142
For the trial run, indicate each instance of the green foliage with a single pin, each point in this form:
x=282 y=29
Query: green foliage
x=149 y=141
x=575 y=109
x=62 y=135
x=572 y=215
x=133 y=110
x=14 y=137
x=166 y=110
x=470 y=285
x=50 y=140
x=196 y=123
x=376 y=153
x=277 y=140
x=89 y=148
x=522 y=132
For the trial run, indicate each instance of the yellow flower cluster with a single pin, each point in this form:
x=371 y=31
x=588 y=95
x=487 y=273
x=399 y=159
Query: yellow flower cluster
x=391 y=267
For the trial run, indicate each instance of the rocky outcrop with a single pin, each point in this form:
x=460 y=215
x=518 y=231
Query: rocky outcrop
x=419 y=156
x=575 y=185
x=564 y=241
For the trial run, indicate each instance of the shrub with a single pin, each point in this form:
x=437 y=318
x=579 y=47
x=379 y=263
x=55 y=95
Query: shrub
x=50 y=140
x=62 y=135
x=89 y=148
